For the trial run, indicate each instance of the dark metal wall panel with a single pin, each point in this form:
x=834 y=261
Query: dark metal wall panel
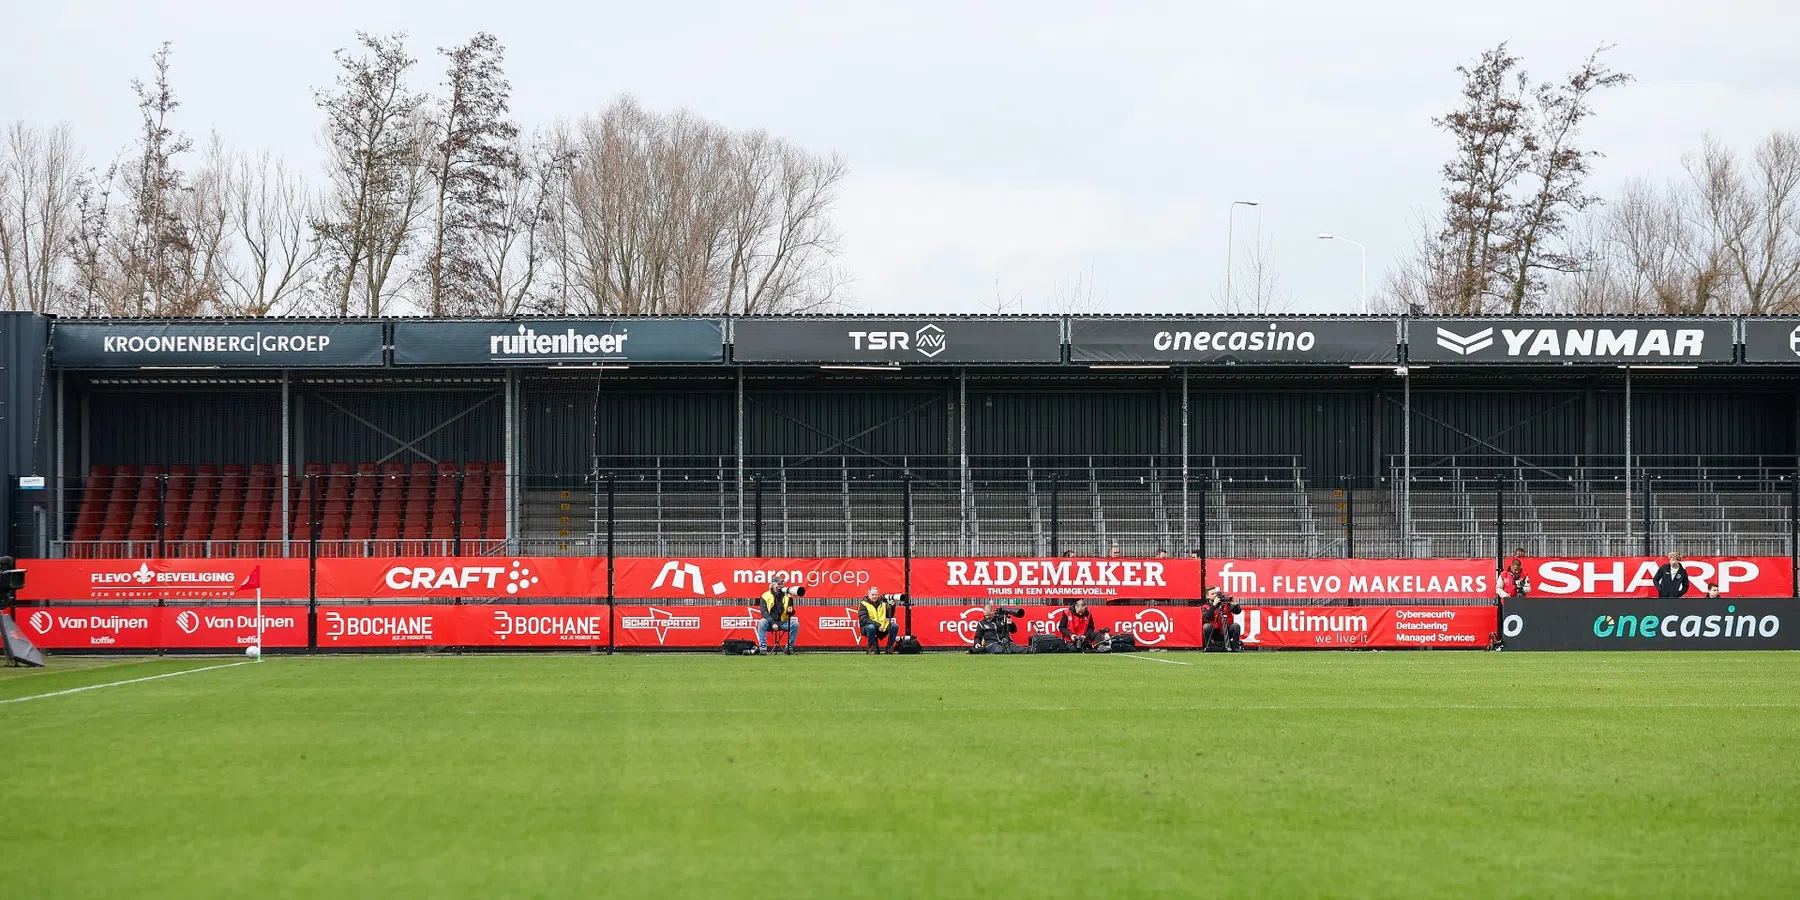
x=1448 y=423
x=333 y=434
x=891 y=424
x=1328 y=430
x=25 y=422
x=1048 y=422
x=214 y=425
x=1713 y=423
x=634 y=423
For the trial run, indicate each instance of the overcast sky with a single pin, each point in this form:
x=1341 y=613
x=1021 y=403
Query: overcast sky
x=995 y=149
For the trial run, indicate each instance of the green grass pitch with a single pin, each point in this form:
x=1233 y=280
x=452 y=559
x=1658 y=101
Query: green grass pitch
x=945 y=775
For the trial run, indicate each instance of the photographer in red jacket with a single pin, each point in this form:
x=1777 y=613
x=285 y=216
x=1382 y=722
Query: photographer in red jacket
x=1219 y=629
x=1077 y=627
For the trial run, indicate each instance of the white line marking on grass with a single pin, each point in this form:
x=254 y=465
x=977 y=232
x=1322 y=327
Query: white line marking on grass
x=93 y=687
x=1172 y=662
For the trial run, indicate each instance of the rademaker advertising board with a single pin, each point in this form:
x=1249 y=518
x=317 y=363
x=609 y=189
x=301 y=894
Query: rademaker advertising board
x=896 y=341
x=1524 y=340
x=200 y=343
x=1234 y=340
x=559 y=341
x=1644 y=623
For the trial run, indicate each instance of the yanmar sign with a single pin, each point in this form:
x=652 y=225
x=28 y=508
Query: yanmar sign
x=1559 y=341
x=1231 y=340
x=896 y=341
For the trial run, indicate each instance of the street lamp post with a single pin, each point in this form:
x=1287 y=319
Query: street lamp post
x=1362 y=282
x=1230 y=220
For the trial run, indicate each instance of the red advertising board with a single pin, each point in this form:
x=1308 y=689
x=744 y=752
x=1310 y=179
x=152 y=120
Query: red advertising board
x=532 y=626
x=161 y=627
x=1162 y=627
x=674 y=626
x=388 y=626
x=441 y=625
x=426 y=577
x=1373 y=627
x=981 y=578
x=1634 y=576
x=117 y=580
x=1251 y=580
x=726 y=578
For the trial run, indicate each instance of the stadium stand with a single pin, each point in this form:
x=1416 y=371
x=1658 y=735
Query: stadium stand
x=234 y=510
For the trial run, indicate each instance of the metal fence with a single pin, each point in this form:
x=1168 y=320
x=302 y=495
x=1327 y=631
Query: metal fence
x=1217 y=507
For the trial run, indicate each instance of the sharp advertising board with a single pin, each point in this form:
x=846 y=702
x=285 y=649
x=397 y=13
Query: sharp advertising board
x=1570 y=341
x=559 y=342
x=1231 y=341
x=897 y=341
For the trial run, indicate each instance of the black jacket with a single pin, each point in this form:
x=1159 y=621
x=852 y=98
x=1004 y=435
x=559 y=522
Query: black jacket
x=1671 y=584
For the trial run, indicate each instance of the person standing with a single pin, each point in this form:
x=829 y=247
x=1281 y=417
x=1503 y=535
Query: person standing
x=1672 y=579
x=1514 y=582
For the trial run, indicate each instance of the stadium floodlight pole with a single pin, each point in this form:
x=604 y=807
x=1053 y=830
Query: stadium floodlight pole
x=612 y=620
x=1362 y=278
x=1231 y=220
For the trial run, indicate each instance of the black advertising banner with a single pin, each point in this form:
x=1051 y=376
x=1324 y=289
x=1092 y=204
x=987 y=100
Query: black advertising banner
x=1234 y=340
x=559 y=341
x=1643 y=623
x=1533 y=341
x=1772 y=341
x=198 y=342
x=885 y=341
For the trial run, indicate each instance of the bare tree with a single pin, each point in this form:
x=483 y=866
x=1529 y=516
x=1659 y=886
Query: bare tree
x=782 y=241
x=1752 y=212
x=513 y=254
x=1080 y=295
x=1493 y=146
x=375 y=140
x=40 y=177
x=675 y=214
x=1555 y=170
x=269 y=213
x=1260 y=291
x=474 y=161
x=158 y=239
x=198 y=273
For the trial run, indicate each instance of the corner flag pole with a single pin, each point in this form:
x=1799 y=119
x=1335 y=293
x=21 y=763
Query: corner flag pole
x=254 y=580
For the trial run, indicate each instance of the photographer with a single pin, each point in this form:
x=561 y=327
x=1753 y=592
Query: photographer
x=877 y=619
x=1077 y=627
x=778 y=613
x=995 y=631
x=1219 y=629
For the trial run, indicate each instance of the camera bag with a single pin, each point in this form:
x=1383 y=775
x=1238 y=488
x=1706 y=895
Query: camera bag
x=738 y=647
x=1048 y=643
x=908 y=645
